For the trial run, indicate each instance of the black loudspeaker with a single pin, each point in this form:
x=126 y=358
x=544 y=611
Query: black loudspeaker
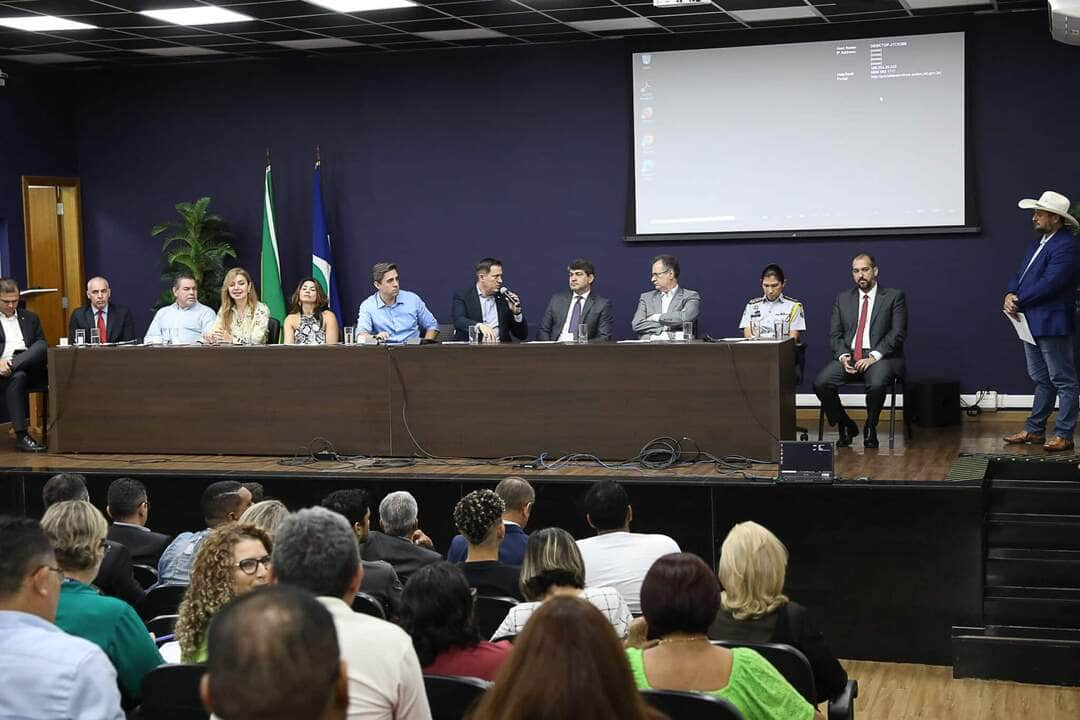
x=932 y=402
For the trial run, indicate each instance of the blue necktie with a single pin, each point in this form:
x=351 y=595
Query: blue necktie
x=575 y=316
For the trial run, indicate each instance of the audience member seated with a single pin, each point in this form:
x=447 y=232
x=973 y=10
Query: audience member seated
x=266 y=515
x=234 y=559
x=310 y=320
x=680 y=597
x=438 y=613
x=77 y=530
x=241 y=319
x=566 y=664
x=315 y=549
x=46 y=672
x=753 y=563
x=221 y=502
x=380 y=579
x=617 y=557
x=253 y=639
x=518 y=496
x=401 y=543
x=478 y=516
x=128 y=507
x=115 y=577
x=553 y=566
x=256 y=490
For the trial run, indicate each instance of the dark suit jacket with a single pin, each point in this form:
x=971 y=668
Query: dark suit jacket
x=115 y=577
x=511 y=549
x=145 y=546
x=466 y=311
x=32 y=359
x=1047 y=293
x=403 y=554
x=382 y=583
x=888 y=322
x=119 y=325
x=597 y=313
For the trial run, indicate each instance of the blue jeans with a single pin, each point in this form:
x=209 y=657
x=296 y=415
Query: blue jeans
x=1050 y=365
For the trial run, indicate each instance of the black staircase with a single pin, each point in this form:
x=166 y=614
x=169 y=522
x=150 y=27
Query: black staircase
x=1031 y=597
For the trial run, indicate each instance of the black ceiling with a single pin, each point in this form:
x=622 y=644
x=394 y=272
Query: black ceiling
x=121 y=32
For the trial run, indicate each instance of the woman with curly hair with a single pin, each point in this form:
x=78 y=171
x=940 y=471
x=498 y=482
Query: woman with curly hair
x=234 y=559
x=77 y=530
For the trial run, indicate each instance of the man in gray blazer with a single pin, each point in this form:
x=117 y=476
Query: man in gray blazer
x=578 y=306
x=866 y=334
x=668 y=306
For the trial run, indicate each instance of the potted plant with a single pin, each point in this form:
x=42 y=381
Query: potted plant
x=198 y=242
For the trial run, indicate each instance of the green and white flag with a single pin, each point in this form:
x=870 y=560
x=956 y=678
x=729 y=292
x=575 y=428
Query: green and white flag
x=270 y=280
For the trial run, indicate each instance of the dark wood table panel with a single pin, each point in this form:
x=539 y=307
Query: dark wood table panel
x=253 y=400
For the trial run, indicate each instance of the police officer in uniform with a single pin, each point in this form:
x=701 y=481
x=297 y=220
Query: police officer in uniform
x=773 y=306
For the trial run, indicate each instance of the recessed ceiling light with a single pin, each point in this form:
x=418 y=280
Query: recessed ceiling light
x=46 y=58
x=469 y=34
x=201 y=15
x=43 y=23
x=927 y=4
x=794 y=12
x=316 y=43
x=629 y=23
x=352 y=6
x=178 y=51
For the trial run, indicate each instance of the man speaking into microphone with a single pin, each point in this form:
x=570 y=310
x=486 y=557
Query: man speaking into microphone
x=493 y=309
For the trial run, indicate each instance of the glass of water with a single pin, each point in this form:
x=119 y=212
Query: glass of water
x=95 y=336
x=582 y=336
x=80 y=337
x=350 y=334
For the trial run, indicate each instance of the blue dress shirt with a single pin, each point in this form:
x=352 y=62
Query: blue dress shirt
x=400 y=320
x=174 y=567
x=50 y=674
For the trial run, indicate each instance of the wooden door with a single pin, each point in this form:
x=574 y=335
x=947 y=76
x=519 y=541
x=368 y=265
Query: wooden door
x=54 y=250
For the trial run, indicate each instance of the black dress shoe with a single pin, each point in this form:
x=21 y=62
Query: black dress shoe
x=869 y=437
x=848 y=431
x=27 y=444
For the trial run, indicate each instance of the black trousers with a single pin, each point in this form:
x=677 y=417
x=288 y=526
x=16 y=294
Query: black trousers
x=877 y=378
x=15 y=395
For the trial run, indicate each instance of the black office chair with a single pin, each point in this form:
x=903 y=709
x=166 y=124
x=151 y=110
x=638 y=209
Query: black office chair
x=451 y=698
x=793 y=665
x=368 y=605
x=162 y=600
x=145 y=575
x=490 y=611
x=171 y=692
x=273 y=331
x=861 y=387
x=679 y=705
x=162 y=625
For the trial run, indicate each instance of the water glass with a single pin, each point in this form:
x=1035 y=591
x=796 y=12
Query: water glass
x=782 y=327
x=350 y=334
x=80 y=337
x=95 y=336
x=688 y=332
x=474 y=334
x=582 y=335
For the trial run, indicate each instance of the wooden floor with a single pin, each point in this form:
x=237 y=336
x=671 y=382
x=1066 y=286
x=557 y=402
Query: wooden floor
x=928 y=457
x=890 y=691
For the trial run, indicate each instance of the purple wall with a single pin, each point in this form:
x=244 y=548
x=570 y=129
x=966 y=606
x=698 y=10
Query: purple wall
x=437 y=159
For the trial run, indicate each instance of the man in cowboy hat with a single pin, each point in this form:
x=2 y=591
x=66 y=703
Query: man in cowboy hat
x=1044 y=290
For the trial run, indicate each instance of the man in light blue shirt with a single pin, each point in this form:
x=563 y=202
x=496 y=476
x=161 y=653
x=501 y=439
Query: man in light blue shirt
x=46 y=672
x=183 y=322
x=393 y=315
x=222 y=502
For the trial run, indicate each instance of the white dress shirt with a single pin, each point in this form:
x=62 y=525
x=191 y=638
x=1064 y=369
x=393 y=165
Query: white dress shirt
x=665 y=299
x=567 y=334
x=869 y=316
x=13 y=337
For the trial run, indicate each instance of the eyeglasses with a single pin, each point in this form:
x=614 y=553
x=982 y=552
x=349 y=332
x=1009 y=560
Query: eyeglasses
x=50 y=568
x=662 y=272
x=249 y=566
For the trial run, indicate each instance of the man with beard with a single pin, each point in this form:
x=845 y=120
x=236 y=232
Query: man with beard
x=866 y=334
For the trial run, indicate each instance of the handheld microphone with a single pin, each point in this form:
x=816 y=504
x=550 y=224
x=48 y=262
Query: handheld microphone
x=513 y=298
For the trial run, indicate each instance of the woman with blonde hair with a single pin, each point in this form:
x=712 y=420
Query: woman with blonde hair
x=234 y=559
x=266 y=515
x=753 y=565
x=310 y=320
x=552 y=567
x=242 y=319
x=77 y=531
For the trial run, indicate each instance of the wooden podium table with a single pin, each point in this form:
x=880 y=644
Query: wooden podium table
x=457 y=400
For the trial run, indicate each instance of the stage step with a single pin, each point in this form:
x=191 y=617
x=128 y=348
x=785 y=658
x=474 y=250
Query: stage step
x=1020 y=654
x=1051 y=609
x=1033 y=568
x=1033 y=531
x=1058 y=497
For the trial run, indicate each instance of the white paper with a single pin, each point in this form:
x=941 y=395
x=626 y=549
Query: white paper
x=1020 y=324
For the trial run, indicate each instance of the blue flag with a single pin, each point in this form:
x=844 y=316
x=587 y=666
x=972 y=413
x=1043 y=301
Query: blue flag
x=322 y=262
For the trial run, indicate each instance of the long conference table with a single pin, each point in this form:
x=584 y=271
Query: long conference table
x=449 y=400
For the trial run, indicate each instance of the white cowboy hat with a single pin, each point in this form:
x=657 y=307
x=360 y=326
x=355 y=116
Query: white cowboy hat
x=1051 y=202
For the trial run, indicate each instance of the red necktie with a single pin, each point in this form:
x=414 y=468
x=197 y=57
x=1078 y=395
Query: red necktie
x=101 y=326
x=862 y=327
